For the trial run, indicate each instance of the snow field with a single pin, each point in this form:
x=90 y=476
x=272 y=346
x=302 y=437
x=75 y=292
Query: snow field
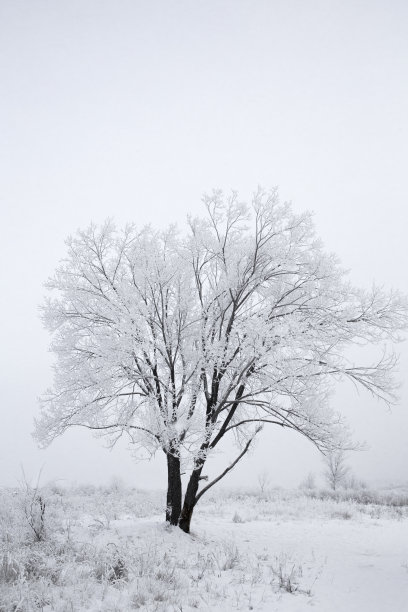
x=110 y=550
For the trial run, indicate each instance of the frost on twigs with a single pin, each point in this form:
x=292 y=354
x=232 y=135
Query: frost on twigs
x=175 y=340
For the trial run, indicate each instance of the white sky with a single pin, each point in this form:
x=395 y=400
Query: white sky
x=133 y=109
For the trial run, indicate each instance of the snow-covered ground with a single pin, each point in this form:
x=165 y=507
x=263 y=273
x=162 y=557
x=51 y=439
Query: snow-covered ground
x=279 y=551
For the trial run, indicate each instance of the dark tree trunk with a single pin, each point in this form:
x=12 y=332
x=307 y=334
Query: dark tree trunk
x=190 y=500
x=174 y=494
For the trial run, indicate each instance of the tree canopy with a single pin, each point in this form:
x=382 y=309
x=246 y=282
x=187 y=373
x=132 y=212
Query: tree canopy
x=177 y=339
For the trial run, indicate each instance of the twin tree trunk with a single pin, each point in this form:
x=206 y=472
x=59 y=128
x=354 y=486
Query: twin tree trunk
x=175 y=513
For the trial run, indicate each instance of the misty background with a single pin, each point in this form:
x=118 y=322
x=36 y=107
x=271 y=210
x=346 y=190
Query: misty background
x=131 y=110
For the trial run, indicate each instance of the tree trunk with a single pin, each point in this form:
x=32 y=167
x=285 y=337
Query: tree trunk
x=173 y=507
x=190 y=500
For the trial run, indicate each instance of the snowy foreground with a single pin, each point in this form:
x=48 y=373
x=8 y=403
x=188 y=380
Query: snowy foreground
x=109 y=550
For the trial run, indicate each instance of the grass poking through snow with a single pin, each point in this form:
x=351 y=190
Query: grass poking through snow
x=109 y=550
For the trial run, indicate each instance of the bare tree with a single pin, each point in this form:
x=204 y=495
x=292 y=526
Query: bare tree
x=263 y=480
x=177 y=341
x=336 y=469
x=309 y=483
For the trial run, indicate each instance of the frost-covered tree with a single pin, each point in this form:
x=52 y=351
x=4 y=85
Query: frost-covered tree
x=180 y=340
x=336 y=468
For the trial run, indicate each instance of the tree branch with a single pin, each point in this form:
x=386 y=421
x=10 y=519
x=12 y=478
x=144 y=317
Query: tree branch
x=228 y=469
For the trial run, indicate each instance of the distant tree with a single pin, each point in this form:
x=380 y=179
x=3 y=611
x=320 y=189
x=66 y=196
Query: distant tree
x=263 y=480
x=181 y=340
x=352 y=482
x=309 y=483
x=336 y=470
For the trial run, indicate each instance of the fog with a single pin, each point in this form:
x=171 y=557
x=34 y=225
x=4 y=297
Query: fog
x=132 y=110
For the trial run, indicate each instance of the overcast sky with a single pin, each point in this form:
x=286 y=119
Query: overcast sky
x=132 y=109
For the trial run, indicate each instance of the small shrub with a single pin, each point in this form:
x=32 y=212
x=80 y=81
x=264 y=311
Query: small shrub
x=167 y=573
x=116 y=485
x=287 y=574
x=34 y=509
x=138 y=599
x=110 y=566
x=231 y=556
x=9 y=569
x=237 y=518
x=342 y=514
